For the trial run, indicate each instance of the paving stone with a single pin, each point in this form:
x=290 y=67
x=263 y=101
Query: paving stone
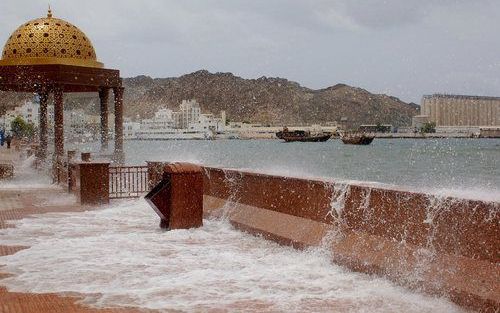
x=16 y=205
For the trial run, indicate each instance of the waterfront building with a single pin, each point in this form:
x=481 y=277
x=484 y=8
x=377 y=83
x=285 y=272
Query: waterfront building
x=76 y=122
x=130 y=128
x=489 y=132
x=417 y=121
x=79 y=124
x=458 y=111
x=208 y=122
x=187 y=123
x=28 y=112
x=189 y=112
x=163 y=119
x=381 y=128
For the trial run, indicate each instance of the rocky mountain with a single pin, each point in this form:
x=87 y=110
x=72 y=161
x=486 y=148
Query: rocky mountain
x=274 y=101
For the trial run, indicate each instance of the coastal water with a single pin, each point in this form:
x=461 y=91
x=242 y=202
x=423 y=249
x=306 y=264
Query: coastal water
x=464 y=167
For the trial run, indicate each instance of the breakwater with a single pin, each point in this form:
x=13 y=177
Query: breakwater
x=442 y=245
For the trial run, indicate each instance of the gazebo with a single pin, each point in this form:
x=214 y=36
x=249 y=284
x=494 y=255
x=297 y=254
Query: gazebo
x=49 y=55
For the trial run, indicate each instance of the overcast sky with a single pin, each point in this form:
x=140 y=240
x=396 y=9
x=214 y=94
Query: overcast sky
x=404 y=48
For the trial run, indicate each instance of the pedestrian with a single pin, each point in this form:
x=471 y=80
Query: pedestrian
x=8 y=139
x=2 y=137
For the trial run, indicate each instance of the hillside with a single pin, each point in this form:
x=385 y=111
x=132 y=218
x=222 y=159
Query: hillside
x=274 y=101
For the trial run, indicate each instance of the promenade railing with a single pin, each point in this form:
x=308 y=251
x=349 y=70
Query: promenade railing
x=127 y=181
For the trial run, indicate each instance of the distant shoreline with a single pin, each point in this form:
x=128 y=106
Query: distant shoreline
x=256 y=138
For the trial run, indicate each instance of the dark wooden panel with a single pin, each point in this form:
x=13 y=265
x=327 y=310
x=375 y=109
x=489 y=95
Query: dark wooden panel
x=29 y=78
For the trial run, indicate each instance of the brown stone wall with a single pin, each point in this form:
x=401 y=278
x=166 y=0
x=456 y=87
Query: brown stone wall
x=155 y=173
x=186 y=197
x=442 y=245
x=450 y=225
x=176 y=194
x=299 y=197
x=93 y=182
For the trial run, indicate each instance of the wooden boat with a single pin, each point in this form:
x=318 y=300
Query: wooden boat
x=357 y=139
x=302 y=136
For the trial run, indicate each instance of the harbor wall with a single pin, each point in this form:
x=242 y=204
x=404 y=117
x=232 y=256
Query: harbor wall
x=440 y=245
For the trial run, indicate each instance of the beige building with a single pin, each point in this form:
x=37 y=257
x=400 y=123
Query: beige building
x=189 y=112
x=459 y=110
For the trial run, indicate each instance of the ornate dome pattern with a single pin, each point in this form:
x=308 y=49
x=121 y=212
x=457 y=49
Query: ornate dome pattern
x=49 y=41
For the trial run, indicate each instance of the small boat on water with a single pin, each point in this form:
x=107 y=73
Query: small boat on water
x=302 y=136
x=357 y=139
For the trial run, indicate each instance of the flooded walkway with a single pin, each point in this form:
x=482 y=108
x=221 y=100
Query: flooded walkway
x=28 y=194
x=16 y=205
x=57 y=256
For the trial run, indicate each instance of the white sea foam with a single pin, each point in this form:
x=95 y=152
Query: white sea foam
x=469 y=193
x=25 y=177
x=120 y=254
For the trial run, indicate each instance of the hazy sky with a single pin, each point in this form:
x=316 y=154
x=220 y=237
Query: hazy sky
x=404 y=48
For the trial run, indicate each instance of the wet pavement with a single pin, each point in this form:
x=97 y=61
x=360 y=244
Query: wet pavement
x=20 y=199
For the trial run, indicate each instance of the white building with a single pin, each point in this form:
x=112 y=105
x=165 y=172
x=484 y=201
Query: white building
x=163 y=119
x=75 y=118
x=208 y=122
x=28 y=112
x=187 y=123
x=130 y=128
x=79 y=124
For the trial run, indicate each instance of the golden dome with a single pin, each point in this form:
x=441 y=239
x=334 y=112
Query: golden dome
x=49 y=40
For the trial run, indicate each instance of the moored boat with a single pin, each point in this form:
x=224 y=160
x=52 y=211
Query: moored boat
x=357 y=139
x=302 y=136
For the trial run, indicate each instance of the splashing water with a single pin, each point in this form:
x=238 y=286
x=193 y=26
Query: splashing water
x=340 y=193
x=232 y=179
x=365 y=205
x=25 y=176
x=119 y=254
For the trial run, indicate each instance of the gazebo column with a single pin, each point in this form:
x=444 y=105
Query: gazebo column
x=103 y=97
x=118 y=153
x=42 y=117
x=58 y=133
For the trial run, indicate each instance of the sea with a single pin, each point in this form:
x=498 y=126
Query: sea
x=457 y=166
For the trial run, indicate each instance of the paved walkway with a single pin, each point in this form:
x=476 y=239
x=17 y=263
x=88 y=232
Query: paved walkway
x=17 y=203
x=8 y=155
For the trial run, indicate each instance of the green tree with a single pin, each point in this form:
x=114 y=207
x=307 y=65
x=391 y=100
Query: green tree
x=429 y=127
x=20 y=128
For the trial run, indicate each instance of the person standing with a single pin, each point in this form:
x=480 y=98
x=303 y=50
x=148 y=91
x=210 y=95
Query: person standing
x=2 y=137
x=8 y=139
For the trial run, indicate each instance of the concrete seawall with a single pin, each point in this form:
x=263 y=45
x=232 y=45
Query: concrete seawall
x=441 y=245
